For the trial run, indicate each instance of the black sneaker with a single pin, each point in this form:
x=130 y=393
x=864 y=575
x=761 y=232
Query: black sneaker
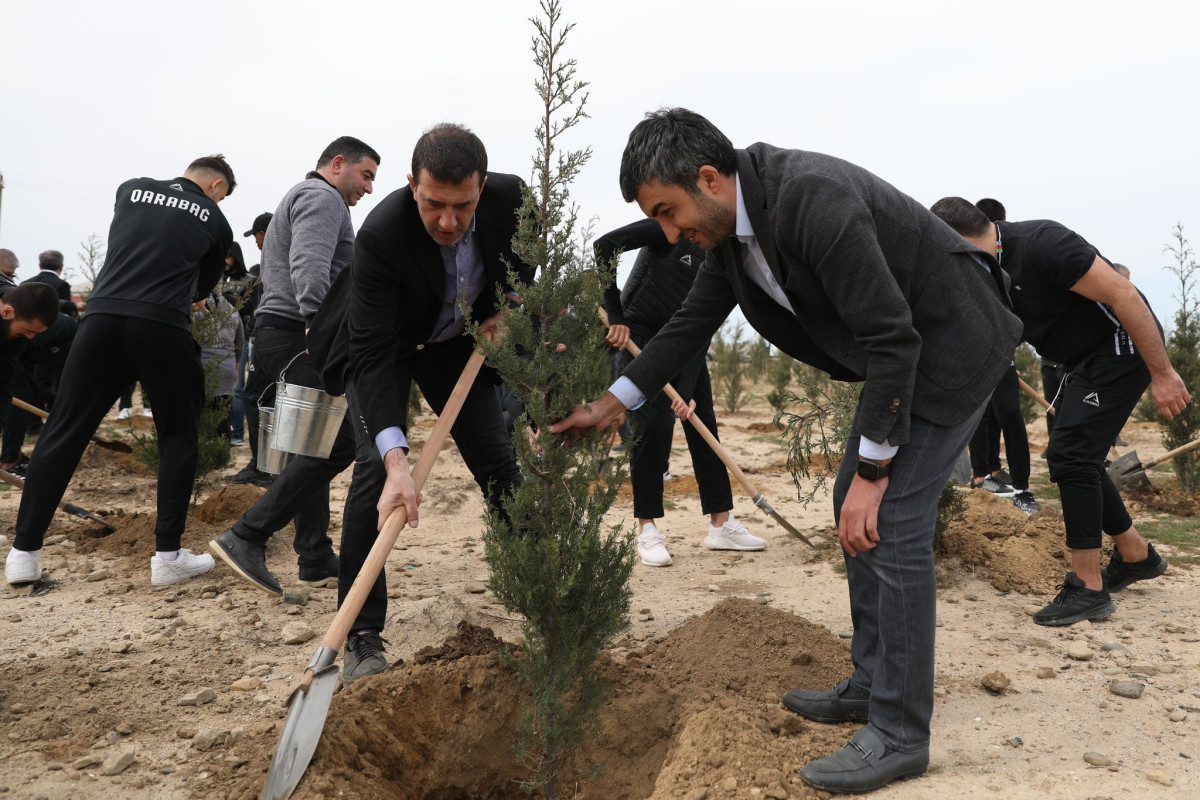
x=322 y=574
x=364 y=656
x=1003 y=477
x=994 y=486
x=1025 y=501
x=1075 y=603
x=248 y=559
x=1118 y=574
x=253 y=475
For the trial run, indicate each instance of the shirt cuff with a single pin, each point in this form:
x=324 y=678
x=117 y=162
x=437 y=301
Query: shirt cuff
x=389 y=438
x=873 y=451
x=629 y=394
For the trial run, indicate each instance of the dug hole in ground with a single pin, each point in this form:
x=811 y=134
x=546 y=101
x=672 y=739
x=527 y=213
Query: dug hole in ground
x=112 y=688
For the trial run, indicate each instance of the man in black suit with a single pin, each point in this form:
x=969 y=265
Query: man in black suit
x=844 y=272
x=426 y=254
x=50 y=264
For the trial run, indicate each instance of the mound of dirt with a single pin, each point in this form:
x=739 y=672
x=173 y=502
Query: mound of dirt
x=445 y=728
x=1167 y=499
x=1010 y=550
x=228 y=503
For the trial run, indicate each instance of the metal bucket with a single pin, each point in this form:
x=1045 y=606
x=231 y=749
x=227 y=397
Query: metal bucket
x=269 y=459
x=306 y=419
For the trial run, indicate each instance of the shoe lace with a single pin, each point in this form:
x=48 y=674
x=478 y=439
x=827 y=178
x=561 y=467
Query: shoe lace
x=365 y=643
x=652 y=537
x=1066 y=593
x=733 y=527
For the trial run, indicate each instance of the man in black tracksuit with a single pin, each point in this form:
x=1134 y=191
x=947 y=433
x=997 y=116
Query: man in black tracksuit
x=166 y=250
x=655 y=290
x=1080 y=312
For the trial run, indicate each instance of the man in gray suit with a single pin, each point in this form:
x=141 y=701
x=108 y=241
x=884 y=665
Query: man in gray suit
x=844 y=272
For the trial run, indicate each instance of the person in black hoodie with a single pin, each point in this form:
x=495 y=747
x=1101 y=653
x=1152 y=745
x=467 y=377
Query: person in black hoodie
x=166 y=249
x=662 y=275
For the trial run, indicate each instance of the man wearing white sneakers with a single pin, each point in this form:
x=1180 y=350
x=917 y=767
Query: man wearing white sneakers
x=166 y=249
x=662 y=275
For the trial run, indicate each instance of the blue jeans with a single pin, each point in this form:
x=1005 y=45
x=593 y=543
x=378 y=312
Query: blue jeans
x=893 y=595
x=237 y=409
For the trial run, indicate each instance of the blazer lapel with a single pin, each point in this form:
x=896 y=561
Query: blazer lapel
x=754 y=195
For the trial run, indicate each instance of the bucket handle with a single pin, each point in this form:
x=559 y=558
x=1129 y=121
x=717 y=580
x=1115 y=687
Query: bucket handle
x=282 y=372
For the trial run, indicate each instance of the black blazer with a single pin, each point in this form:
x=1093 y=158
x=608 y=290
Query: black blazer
x=883 y=291
x=385 y=305
x=65 y=304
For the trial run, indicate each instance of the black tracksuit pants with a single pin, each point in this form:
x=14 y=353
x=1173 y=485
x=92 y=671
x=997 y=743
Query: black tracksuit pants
x=1093 y=405
x=110 y=352
x=1002 y=415
x=653 y=426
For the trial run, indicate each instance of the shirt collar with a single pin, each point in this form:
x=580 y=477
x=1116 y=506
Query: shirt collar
x=742 y=229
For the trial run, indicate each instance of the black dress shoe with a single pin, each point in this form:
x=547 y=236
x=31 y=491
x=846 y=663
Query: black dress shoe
x=247 y=559
x=864 y=765
x=839 y=704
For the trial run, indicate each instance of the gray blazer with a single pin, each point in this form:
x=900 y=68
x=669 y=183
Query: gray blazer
x=884 y=292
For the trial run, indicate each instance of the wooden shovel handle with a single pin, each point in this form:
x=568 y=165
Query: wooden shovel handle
x=398 y=518
x=1167 y=456
x=21 y=404
x=1032 y=392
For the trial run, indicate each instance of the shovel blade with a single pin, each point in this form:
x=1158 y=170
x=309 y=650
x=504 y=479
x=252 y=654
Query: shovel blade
x=1124 y=465
x=301 y=733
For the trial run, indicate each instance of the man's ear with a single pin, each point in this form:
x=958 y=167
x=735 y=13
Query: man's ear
x=337 y=165
x=709 y=180
x=7 y=311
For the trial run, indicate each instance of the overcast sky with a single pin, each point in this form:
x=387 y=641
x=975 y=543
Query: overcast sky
x=1082 y=112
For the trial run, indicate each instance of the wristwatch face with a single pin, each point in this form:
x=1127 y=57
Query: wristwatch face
x=869 y=470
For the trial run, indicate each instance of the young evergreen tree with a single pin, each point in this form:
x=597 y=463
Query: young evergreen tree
x=558 y=565
x=1183 y=347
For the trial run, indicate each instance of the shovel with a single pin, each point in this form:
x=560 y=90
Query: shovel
x=117 y=447
x=309 y=703
x=722 y=453
x=1127 y=472
x=1032 y=392
x=70 y=508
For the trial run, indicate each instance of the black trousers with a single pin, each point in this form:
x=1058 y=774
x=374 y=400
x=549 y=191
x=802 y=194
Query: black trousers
x=109 y=353
x=478 y=433
x=24 y=387
x=301 y=491
x=653 y=426
x=1094 y=404
x=1002 y=415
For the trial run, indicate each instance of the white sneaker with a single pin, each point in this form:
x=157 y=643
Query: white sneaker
x=187 y=565
x=125 y=413
x=147 y=412
x=667 y=475
x=732 y=536
x=652 y=547
x=22 y=567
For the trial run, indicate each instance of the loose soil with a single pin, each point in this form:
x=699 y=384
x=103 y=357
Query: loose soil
x=95 y=661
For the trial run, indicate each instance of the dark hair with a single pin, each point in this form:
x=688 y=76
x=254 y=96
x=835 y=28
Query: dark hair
x=9 y=257
x=962 y=215
x=450 y=153
x=50 y=259
x=1121 y=269
x=216 y=163
x=993 y=208
x=349 y=148
x=34 y=300
x=671 y=145
x=239 y=262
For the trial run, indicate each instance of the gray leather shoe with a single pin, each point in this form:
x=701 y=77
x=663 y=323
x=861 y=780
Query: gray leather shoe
x=864 y=765
x=363 y=656
x=828 y=706
x=247 y=559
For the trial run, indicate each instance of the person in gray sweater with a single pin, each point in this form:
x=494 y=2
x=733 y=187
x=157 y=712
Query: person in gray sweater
x=309 y=240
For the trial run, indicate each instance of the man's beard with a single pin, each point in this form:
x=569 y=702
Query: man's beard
x=715 y=222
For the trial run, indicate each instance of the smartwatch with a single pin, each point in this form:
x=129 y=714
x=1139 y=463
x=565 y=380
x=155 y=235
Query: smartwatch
x=872 y=470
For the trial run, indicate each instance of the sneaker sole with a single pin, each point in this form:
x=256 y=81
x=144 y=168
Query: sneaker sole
x=176 y=578
x=220 y=553
x=656 y=564
x=1100 y=612
x=1158 y=570
x=323 y=583
x=725 y=544
x=21 y=579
